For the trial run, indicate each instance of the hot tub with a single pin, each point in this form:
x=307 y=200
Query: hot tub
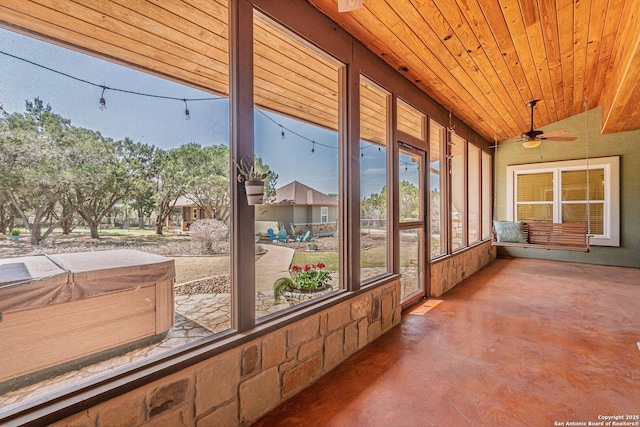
x=61 y=312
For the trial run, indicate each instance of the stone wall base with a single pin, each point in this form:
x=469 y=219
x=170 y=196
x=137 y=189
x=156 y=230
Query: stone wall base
x=238 y=386
x=450 y=271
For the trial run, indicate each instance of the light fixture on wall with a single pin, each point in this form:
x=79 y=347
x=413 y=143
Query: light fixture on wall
x=532 y=143
x=349 y=5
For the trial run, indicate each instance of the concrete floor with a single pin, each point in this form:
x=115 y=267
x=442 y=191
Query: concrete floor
x=521 y=343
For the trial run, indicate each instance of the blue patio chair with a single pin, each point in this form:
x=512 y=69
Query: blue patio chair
x=271 y=234
x=303 y=237
x=282 y=236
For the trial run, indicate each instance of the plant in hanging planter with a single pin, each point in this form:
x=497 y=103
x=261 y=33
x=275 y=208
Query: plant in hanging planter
x=253 y=180
x=308 y=279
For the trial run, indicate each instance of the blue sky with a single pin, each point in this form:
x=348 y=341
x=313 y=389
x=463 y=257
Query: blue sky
x=161 y=122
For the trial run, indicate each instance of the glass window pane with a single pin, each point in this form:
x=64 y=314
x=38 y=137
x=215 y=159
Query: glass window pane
x=436 y=147
x=535 y=212
x=409 y=183
x=373 y=180
x=535 y=187
x=149 y=143
x=410 y=120
x=473 y=194
x=297 y=225
x=487 y=196
x=580 y=212
x=576 y=207
x=410 y=279
x=458 y=184
x=574 y=185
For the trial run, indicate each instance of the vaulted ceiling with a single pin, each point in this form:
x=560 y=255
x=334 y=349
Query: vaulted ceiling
x=481 y=59
x=485 y=59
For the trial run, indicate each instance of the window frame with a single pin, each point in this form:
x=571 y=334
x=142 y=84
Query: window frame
x=611 y=166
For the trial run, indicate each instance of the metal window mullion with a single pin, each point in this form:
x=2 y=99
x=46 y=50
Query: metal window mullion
x=242 y=218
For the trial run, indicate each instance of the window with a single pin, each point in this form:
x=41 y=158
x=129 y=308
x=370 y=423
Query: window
x=410 y=120
x=437 y=202
x=374 y=102
x=474 y=186
x=487 y=196
x=296 y=114
x=324 y=214
x=564 y=192
x=458 y=192
x=147 y=153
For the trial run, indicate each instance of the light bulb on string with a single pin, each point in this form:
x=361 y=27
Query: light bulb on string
x=187 y=116
x=282 y=133
x=362 y=152
x=103 y=103
x=313 y=147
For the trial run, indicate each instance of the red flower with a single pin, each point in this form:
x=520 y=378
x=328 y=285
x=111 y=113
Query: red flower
x=320 y=265
x=307 y=267
x=296 y=268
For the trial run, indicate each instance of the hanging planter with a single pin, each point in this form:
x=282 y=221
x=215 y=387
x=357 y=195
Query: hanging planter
x=253 y=181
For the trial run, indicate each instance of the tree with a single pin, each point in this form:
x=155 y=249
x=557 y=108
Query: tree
x=142 y=194
x=165 y=173
x=207 y=181
x=37 y=165
x=111 y=166
x=409 y=201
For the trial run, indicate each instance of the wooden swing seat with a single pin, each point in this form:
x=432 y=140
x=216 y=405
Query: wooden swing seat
x=552 y=236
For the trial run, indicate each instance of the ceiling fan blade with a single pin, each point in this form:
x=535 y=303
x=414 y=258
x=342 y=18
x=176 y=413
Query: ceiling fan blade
x=555 y=133
x=559 y=138
x=349 y=5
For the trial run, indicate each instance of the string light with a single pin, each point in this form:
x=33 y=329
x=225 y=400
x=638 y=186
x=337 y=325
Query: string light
x=103 y=104
x=362 y=152
x=187 y=116
x=282 y=133
x=313 y=147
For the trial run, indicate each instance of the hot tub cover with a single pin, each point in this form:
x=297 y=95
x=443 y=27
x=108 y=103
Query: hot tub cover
x=33 y=281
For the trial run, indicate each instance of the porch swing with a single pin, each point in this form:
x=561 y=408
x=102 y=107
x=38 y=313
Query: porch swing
x=572 y=236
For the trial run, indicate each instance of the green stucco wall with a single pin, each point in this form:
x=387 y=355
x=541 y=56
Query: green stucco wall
x=586 y=127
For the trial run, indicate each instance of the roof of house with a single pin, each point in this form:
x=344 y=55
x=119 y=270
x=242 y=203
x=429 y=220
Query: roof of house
x=184 y=201
x=296 y=193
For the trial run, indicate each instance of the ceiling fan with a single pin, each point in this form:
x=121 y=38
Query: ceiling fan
x=533 y=137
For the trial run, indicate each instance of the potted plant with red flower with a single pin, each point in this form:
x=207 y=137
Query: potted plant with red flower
x=304 y=279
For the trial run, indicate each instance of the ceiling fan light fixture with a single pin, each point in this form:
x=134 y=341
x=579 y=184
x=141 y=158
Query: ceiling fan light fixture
x=531 y=143
x=349 y=5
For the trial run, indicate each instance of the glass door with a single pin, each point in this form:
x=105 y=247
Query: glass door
x=412 y=223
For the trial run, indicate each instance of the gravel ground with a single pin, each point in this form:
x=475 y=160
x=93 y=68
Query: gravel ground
x=210 y=285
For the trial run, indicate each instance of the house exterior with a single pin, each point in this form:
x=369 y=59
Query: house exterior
x=190 y=211
x=298 y=208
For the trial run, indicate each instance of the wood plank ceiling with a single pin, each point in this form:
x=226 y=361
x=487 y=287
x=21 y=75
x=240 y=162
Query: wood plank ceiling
x=481 y=59
x=485 y=59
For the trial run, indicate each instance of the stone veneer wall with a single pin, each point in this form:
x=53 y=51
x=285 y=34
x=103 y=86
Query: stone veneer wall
x=451 y=270
x=238 y=386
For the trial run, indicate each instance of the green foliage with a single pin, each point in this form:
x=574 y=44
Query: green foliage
x=15 y=232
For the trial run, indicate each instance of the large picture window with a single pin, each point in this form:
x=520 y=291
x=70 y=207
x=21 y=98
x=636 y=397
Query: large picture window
x=565 y=192
x=296 y=138
x=458 y=192
x=117 y=168
x=437 y=200
x=374 y=251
